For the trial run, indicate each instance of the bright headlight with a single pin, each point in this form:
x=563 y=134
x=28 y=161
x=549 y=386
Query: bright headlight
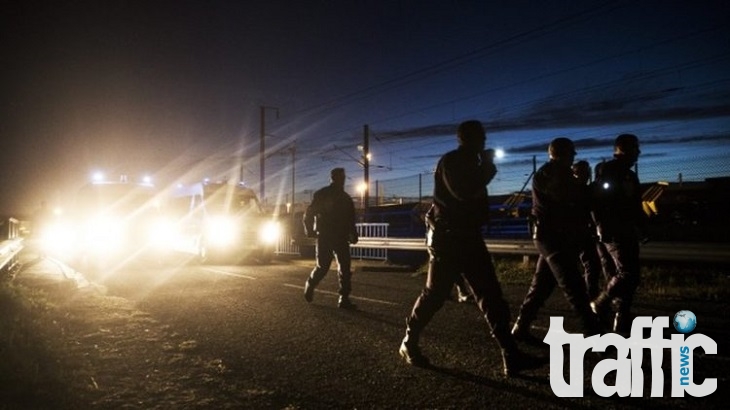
x=220 y=231
x=270 y=232
x=58 y=237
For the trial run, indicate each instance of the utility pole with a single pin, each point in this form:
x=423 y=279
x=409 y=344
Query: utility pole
x=262 y=151
x=366 y=167
x=293 y=150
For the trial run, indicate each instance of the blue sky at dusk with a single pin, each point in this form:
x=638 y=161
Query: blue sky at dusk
x=174 y=88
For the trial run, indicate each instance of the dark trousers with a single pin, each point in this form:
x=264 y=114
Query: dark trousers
x=593 y=268
x=558 y=265
x=624 y=253
x=327 y=250
x=466 y=256
x=607 y=264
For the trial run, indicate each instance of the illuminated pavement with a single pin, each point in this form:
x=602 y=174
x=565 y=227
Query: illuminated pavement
x=243 y=337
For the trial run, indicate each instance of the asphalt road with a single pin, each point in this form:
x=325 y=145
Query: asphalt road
x=275 y=350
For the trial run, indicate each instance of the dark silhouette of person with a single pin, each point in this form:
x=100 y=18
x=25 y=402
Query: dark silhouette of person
x=593 y=273
x=621 y=224
x=456 y=247
x=558 y=203
x=331 y=219
x=463 y=293
x=608 y=266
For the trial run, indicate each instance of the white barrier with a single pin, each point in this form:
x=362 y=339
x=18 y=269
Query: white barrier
x=10 y=243
x=366 y=231
x=371 y=231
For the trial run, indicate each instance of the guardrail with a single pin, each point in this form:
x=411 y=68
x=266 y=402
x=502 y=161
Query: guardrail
x=665 y=251
x=8 y=251
x=10 y=243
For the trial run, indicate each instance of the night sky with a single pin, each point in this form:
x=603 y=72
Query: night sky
x=175 y=88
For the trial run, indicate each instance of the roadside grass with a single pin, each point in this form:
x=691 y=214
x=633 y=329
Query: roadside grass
x=690 y=281
x=31 y=375
x=687 y=281
x=709 y=282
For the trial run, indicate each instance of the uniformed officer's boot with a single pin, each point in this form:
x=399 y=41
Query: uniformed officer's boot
x=619 y=323
x=308 y=291
x=621 y=319
x=589 y=321
x=513 y=359
x=409 y=350
x=345 y=303
x=600 y=305
x=521 y=332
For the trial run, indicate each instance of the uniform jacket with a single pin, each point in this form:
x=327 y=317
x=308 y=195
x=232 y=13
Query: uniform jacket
x=559 y=202
x=331 y=214
x=617 y=199
x=460 y=190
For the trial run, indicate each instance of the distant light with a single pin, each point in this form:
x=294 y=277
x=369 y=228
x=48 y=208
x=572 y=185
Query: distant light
x=97 y=177
x=606 y=185
x=499 y=153
x=147 y=179
x=362 y=187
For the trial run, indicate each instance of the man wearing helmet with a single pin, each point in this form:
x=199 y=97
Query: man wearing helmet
x=456 y=247
x=558 y=203
x=621 y=224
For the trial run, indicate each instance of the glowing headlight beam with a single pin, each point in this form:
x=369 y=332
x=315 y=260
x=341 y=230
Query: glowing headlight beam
x=270 y=232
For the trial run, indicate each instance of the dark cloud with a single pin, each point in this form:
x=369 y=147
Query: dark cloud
x=568 y=118
x=588 y=143
x=591 y=108
x=604 y=113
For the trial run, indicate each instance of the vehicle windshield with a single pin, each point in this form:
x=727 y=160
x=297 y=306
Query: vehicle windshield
x=230 y=200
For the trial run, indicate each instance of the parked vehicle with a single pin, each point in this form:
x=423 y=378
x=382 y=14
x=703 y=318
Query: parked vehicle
x=220 y=221
x=110 y=223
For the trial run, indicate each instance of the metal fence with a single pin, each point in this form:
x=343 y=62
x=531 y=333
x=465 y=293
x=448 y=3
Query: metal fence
x=10 y=242
x=287 y=245
x=371 y=230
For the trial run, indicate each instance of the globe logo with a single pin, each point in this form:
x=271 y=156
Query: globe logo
x=685 y=321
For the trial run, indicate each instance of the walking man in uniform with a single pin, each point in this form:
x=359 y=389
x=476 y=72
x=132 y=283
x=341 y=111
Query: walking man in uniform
x=558 y=204
x=456 y=247
x=331 y=219
x=621 y=225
